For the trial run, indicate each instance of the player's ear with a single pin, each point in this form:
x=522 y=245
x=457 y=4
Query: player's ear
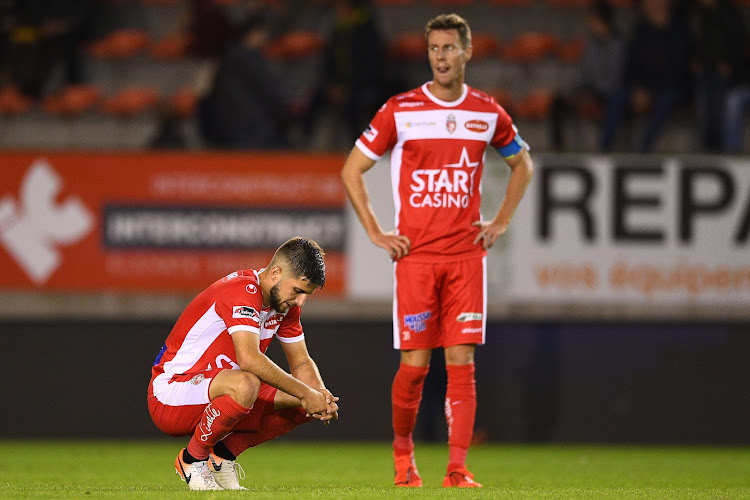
x=469 y=51
x=276 y=274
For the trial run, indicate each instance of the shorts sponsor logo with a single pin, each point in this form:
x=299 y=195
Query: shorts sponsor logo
x=417 y=322
x=245 y=312
x=477 y=125
x=251 y=288
x=198 y=379
x=471 y=330
x=469 y=316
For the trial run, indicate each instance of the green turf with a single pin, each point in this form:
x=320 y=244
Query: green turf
x=287 y=469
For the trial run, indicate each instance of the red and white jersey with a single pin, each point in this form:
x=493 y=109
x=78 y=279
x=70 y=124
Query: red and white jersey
x=201 y=338
x=437 y=156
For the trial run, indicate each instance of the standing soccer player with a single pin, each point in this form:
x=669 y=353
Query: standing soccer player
x=212 y=380
x=437 y=135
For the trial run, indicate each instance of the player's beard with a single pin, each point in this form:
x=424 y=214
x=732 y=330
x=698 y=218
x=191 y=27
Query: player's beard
x=275 y=299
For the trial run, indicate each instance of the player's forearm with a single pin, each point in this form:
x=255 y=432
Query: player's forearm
x=356 y=190
x=272 y=374
x=519 y=180
x=307 y=371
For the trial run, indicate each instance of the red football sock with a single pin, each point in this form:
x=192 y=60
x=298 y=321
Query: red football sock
x=406 y=394
x=272 y=426
x=217 y=421
x=460 y=411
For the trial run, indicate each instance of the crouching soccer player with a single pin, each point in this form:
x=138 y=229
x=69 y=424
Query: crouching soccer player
x=212 y=380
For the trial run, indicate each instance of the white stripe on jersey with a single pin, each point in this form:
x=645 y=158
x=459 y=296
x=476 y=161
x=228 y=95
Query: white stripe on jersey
x=417 y=124
x=200 y=337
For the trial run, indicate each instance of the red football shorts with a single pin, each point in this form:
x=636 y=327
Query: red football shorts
x=439 y=305
x=178 y=408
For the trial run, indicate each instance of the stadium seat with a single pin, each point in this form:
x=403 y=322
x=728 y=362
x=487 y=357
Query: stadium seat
x=183 y=102
x=296 y=45
x=120 y=44
x=131 y=101
x=13 y=103
x=530 y=46
x=536 y=105
x=572 y=50
x=484 y=45
x=409 y=46
x=174 y=46
x=503 y=98
x=72 y=100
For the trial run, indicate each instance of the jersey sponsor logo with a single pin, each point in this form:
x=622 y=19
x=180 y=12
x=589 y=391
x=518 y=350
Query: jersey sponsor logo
x=273 y=321
x=410 y=104
x=371 y=133
x=420 y=124
x=450 y=186
x=477 y=125
x=469 y=316
x=33 y=228
x=251 y=288
x=471 y=330
x=245 y=312
x=231 y=276
x=450 y=123
x=417 y=322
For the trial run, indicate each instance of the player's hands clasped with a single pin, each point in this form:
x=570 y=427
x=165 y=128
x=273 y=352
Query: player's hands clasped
x=397 y=245
x=321 y=405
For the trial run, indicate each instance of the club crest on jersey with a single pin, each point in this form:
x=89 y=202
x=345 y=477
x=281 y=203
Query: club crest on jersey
x=245 y=312
x=197 y=379
x=450 y=123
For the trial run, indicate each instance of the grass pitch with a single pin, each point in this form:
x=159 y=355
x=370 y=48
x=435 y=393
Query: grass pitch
x=290 y=470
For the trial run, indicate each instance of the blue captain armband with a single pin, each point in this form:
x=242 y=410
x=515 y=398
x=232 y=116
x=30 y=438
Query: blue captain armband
x=512 y=149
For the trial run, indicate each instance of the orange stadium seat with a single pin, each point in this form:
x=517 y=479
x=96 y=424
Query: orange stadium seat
x=121 y=44
x=504 y=98
x=13 y=102
x=174 y=46
x=183 y=102
x=131 y=101
x=484 y=46
x=536 y=105
x=296 y=45
x=72 y=100
x=572 y=50
x=409 y=46
x=530 y=46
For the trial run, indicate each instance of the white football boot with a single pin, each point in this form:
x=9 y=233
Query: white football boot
x=227 y=473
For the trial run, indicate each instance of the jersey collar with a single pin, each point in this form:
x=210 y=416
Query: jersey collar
x=446 y=104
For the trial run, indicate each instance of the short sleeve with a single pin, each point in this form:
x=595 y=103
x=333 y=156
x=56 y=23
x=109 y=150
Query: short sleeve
x=380 y=135
x=290 y=329
x=238 y=307
x=506 y=140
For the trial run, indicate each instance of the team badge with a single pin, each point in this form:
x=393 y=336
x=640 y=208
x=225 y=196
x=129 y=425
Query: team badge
x=197 y=379
x=450 y=123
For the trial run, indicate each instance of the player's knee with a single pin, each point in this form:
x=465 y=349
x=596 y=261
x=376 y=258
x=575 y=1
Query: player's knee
x=245 y=389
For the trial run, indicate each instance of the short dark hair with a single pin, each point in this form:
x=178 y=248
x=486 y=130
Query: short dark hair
x=450 y=22
x=305 y=258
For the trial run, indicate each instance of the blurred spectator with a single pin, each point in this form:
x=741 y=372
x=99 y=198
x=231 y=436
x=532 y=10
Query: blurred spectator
x=211 y=31
x=351 y=83
x=737 y=107
x=656 y=74
x=719 y=41
x=40 y=33
x=244 y=107
x=169 y=133
x=600 y=71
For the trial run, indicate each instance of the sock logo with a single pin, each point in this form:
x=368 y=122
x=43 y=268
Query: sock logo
x=211 y=415
x=33 y=227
